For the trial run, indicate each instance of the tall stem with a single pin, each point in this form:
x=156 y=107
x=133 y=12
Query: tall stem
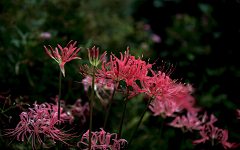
x=59 y=97
x=91 y=110
x=125 y=105
x=139 y=122
x=109 y=107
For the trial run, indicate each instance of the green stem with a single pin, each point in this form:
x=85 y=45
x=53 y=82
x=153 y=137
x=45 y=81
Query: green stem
x=109 y=107
x=125 y=105
x=3 y=111
x=91 y=110
x=139 y=122
x=59 y=97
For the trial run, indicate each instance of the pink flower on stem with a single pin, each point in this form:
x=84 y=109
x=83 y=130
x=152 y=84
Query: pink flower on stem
x=66 y=54
x=37 y=124
x=191 y=121
x=163 y=108
x=214 y=133
x=102 y=140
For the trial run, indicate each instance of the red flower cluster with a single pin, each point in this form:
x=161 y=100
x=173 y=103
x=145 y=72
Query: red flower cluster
x=158 y=86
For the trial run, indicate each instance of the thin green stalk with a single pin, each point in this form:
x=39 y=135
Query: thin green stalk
x=139 y=122
x=59 y=97
x=125 y=105
x=91 y=110
x=109 y=107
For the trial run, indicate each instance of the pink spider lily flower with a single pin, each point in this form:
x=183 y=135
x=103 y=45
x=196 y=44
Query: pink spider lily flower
x=187 y=123
x=102 y=140
x=163 y=108
x=214 y=133
x=183 y=98
x=65 y=54
x=37 y=124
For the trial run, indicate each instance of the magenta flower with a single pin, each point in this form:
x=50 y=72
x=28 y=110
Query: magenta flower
x=101 y=140
x=65 y=54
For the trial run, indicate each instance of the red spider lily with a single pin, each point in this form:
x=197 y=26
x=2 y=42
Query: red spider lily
x=65 y=54
x=160 y=86
x=127 y=68
x=214 y=133
x=183 y=98
x=101 y=140
x=39 y=122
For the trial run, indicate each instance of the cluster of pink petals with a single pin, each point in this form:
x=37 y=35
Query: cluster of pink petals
x=191 y=121
x=163 y=108
x=73 y=111
x=39 y=123
x=66 y=54
x=158 y=86
x=127 y=68
x=214 y=133
x=100 y=85
x=102 y=140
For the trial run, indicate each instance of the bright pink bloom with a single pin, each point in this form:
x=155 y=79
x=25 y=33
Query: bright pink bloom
x=127 y=68
x=102 y=140
x=65 y=54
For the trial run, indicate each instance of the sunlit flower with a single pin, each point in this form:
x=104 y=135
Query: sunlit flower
x=66 y=54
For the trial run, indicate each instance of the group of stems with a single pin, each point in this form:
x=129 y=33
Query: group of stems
x=107 y=115
x=123 y=114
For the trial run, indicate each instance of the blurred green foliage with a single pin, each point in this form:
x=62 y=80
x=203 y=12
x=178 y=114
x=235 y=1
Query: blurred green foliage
x=201 y=39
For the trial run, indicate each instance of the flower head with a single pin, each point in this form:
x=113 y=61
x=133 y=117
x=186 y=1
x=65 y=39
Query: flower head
x=102 y=140
x=94 y=56
x=66 y=54
x=209 y=132
x=37 y=124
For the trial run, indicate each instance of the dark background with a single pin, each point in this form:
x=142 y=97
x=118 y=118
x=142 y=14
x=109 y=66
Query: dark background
x=200 y=38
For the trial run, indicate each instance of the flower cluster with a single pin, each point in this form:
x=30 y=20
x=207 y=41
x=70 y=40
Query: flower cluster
x=191 y=121
x=72 y=111
x=38 y=124
x=102 y=140
x=214 y=133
